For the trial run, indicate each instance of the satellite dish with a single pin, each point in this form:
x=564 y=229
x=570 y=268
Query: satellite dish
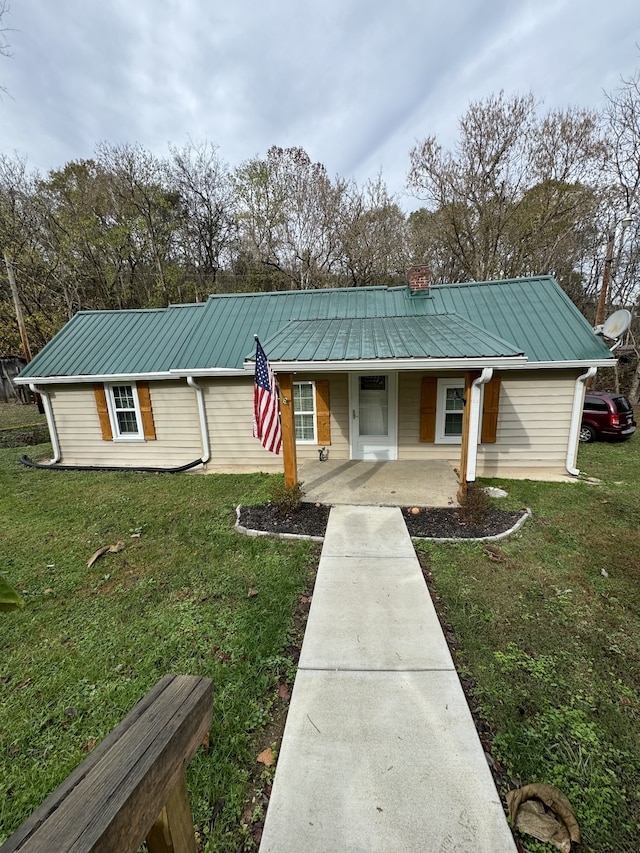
x=617 y=324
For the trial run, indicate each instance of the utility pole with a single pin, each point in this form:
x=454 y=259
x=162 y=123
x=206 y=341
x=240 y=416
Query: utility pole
x=608 y=263
x=20 y=319
x=18 y=307
x=606 y=278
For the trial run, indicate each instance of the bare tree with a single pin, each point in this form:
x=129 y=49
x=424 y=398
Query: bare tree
x=515 y=194
x=288 y=215
x=208 y=225
x=371 y=233
x=622 y=127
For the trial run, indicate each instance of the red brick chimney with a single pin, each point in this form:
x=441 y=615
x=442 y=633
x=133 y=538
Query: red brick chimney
x=419 y=277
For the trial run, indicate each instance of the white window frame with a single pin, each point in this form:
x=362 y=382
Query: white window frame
x=312 y=412
x=443 y=386
x=113 y=417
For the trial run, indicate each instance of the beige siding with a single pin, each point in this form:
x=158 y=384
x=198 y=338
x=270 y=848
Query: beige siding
x=229 y=406
x=175 y=417
x=533 y=422
x=533 y=425
x=410 y=448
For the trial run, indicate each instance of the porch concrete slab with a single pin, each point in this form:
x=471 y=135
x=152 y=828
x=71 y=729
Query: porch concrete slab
x=403 y=483
x=380 y=762
x=370 y=614
x=363 y=531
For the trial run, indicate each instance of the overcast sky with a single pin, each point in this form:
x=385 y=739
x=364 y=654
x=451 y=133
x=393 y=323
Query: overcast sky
x=354 y=82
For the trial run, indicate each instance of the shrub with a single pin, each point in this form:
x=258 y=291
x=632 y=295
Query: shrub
x=474 y=504
x=286 y=498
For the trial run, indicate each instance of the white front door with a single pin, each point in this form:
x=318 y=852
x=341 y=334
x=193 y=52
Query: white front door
x=374 y=406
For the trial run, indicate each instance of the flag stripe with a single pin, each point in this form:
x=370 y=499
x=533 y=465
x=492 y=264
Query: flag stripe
x=266 y=416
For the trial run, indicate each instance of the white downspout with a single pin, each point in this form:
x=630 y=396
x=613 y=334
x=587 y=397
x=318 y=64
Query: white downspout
x=204 y=429
x=576 y=419
x=53 y=432
x=474 y=421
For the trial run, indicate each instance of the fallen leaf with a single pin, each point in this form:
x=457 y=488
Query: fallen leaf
x=113 y=549
x=562 y=817
x=284 y=691
x=252 y=593
x=266 y=757
x=89 y=744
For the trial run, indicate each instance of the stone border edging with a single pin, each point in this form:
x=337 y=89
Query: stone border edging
x=519 y=523
x=247 y=531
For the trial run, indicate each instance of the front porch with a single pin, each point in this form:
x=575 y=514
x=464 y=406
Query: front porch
x=379 y=483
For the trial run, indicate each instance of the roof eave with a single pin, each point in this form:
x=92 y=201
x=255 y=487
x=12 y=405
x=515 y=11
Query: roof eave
x=97 y=377
x=582 y=363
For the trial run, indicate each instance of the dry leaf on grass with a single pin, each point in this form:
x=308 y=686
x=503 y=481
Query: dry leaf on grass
x=544 y=812
x=266 y=757
x=112 y=549
x=284 y=691
x=252 y=593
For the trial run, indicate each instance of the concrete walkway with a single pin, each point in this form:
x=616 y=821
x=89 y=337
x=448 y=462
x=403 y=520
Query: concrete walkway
x=380 y=752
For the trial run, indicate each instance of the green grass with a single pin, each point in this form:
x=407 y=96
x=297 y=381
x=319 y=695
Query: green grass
x=15 y=414
x=90 y=642
x=553 y=644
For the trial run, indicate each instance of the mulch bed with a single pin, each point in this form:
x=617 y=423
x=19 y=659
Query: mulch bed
x=433 y=523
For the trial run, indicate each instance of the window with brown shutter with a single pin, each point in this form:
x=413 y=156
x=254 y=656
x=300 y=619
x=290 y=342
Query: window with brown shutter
x=125 y=411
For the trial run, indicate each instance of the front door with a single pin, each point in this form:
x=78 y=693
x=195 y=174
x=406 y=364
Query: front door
x=373 y=403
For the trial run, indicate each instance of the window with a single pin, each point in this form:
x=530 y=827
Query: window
x=449 y=411
x=124 y=411
x=304 y=412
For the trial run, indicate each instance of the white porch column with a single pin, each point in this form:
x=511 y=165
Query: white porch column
x=475 y=413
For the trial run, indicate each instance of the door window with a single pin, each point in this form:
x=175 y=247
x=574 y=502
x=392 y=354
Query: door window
x=374 y=405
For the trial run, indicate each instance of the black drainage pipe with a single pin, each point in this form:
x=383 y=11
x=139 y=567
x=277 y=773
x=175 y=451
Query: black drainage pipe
x=29 y=463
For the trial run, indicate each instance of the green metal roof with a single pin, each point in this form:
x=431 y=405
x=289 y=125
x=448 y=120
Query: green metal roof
x=436 y=336
x=104 y=343
x=531 y=316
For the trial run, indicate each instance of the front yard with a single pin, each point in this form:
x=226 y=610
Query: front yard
x=547 y=626
x=90 y=642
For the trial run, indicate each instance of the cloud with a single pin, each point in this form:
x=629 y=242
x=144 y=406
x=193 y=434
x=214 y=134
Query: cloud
x=355 y=83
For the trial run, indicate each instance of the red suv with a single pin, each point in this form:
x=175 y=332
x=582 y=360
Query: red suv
x=606 y=416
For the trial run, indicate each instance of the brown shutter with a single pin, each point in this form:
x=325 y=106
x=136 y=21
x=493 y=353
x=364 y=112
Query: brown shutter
x=428 y=398
x=144 y=400
x=490 y=411
x=323 y=418
x=103 y=412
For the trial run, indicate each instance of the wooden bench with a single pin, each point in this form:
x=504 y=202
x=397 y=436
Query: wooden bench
x=132 y=787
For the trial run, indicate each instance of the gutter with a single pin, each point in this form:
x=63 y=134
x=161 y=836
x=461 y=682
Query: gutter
x=474 y=422
x=204 y=429
x=48 y=410
x=576 y=418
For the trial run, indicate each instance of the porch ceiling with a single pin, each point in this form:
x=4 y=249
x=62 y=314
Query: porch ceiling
x=350 y=339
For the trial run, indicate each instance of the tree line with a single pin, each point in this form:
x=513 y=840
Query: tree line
x=522 y=192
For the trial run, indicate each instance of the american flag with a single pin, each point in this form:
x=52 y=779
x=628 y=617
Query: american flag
x=266 y=418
